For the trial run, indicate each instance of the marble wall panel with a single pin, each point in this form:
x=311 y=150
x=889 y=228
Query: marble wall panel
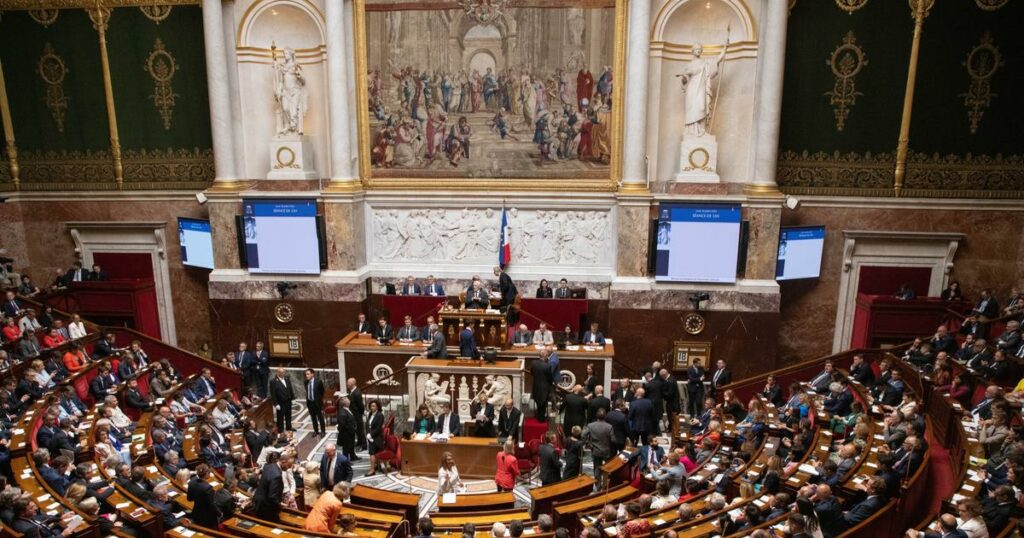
x=225 y=234
x=633 y=222
x=763 y=242
x=12 y=235
x=346 y=249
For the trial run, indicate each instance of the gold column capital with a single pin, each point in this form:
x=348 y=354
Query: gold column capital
x=8 y=126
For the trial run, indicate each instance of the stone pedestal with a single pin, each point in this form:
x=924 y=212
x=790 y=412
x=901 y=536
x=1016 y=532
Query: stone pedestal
x=291 y=157
x=698 y=160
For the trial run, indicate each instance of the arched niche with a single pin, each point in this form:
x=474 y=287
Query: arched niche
x=293 y=23
x=467 y=38
x=703 y=21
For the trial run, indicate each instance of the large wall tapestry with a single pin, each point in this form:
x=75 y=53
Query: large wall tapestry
x=514 y=90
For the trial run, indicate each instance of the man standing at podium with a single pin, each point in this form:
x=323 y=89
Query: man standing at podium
x=506 y=287
x=476 y=297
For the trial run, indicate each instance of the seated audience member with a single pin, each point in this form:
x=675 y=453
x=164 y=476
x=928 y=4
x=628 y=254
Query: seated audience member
x=593 y=337
x=998 y=371
x=363 y=326
x=522 y=336
x=874 y=502
x=998 y=508
x=384 y=333
x=563 y=291
x=76 y=329
x=821 y=381
x=920 y=356
x=544 y=290
x=410 y=287
x=408 y=333
x=892 y=393
x=27 y=288
x=76 y=273
x=1010 y=340
x=74 y=358
x=53 y=339
x=993 y=397
x=942 y=340
x=477 y=297
x=432 y=288
x=906 y=293
x=11 y=331
x=567 y=337
x=772 y=391
x=952 y=292
x=28 y=322
x=977 y=356
x=543 y=336
x=12 y=307
x=839 y=400
x=948 y=528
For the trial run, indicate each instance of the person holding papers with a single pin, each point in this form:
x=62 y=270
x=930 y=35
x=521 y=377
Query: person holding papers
x=408 y=333
x=593 y=337
x=448 y=423
x=448 y=480
x=543 y=336
x=432 y=288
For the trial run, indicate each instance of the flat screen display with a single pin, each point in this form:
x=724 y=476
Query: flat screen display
x=800 y=250
x=697 y=242
x=280 y=236
x=196 y=242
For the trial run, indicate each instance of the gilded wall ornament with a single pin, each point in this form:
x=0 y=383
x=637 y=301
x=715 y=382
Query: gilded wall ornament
x=100 y=17
x=991 y=5
x=161 y=68
x=928 y=4
x=850 y=6
x=45 y=17
x=846 y=62
x=982 y=63
x=156 y=13
x=93 y=170
x=52 y=70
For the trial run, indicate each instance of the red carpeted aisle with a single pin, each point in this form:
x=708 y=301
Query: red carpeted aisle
x=940 y=474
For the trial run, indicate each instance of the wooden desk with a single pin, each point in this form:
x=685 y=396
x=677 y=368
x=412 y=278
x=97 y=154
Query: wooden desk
x=479 y=502
x=407 y=503
x=543 y=498
x=474 y=456
x=565 y=512
x=490 y=327
x=454 y=520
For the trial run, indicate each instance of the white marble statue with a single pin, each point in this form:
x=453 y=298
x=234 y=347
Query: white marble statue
x=696 y=79
x=434 y=394
x=289 y=93
x=497 y=390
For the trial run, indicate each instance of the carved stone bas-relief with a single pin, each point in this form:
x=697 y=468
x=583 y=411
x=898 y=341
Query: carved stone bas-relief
x=570 y=237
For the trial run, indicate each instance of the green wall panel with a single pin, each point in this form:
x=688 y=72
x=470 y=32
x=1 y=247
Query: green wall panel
x=130 y=40
x=883 y=30
x=22 y=41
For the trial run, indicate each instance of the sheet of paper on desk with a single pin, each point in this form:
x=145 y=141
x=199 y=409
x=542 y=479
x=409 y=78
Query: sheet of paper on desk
x=419 y=436
x=448 y=498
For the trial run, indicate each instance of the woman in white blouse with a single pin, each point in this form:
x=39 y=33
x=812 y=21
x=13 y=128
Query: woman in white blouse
x=76 y=328
x=288 y=477
x=448 y=480
x=969 y=514
x=221 y=417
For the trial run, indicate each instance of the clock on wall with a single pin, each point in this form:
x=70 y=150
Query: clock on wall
x=284 y=313
x=694 y=323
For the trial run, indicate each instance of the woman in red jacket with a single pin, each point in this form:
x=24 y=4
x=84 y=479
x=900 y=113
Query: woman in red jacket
x=508 y=467
x=11 y=330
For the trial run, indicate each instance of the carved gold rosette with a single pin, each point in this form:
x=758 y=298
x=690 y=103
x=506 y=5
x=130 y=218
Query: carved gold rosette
x=850 y=6
x=52 y=70
x=45 y=17
x=846 y=62
x=982 y=63
x=161 y=68
x=156 y=13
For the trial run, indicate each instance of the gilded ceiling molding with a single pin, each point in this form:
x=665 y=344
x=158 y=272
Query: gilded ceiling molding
x=156 y=13
x=52 y=70
x=982 y=63
x=45 y=17
x=991 y=5
x=850 y=6
x=161 y=68
x=27 y=5
x=846 y=61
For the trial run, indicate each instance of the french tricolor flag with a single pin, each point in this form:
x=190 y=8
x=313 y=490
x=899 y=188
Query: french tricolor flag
x=504 y=247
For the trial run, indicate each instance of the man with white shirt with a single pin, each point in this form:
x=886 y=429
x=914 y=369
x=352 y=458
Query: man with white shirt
x=76 y=273
x=593 y=337
x=408 y=332
x=432 y=288
x=28 y=322
x=543 y=336
x=315 y=402
x=720 y=378
x=448 y=423
x=522 y=336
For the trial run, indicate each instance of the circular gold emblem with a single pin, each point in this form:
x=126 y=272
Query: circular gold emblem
x=694 y=323
x=699 y=158
x=284 y=313
x=285 y=157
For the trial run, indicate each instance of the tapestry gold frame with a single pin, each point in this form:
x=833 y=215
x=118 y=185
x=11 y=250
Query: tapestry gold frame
x=609 y=184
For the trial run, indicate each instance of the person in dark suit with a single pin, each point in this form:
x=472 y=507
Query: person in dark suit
x=640 y=416
x=103 y=381
x=721 y=377
x=522 y=336
x=374 y=434
x=540 y=369
x=355 y=397
x=270 y=490
x=620 y=425
x=30 y=522
x=998 y=508
x=947 y=529
x=53 y=475
x=334 y=467
x=12 y=307
x=201 y=494
x=408 y=332
x=873 y=503
x=544 y=290
x=65 y=440
x=563 y=291
x=76 y=273
x=624 y=391
x=652 y=388
x=104 y=347
x=467 y=343
x=550 y=465
x=574 y=406
x=262 y=359
x=282 y=395
x=508 y=421
x=648 y=457
x=363 y=326
x=483 y=416
x=384 y=333
x=314 y=389
x=861 y=370
x=411 y=287
x=820 y=382
x=347 y=428
x=438 y=347
x=839 y=400
x=694 y=387
x=133 y=397
x=432 y=288
x=246 y=364
x=476 y=296
x=447 y=422
x=163 y=505
x=97 y=274
x=46 y=431
x=593 y=337
x=506 y=287
x=669 y=393
x=598 y=401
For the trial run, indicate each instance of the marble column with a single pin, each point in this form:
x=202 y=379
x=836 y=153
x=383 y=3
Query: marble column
x=337 y=89
x=220 y=97
x=634 y=147
x=237 y=129
x=768 y=111
x=350 y=99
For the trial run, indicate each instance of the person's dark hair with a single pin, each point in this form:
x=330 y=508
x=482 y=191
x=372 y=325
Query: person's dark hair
x=468 y=530
x=515 y=528
x=425 y=526
x=562 y=532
